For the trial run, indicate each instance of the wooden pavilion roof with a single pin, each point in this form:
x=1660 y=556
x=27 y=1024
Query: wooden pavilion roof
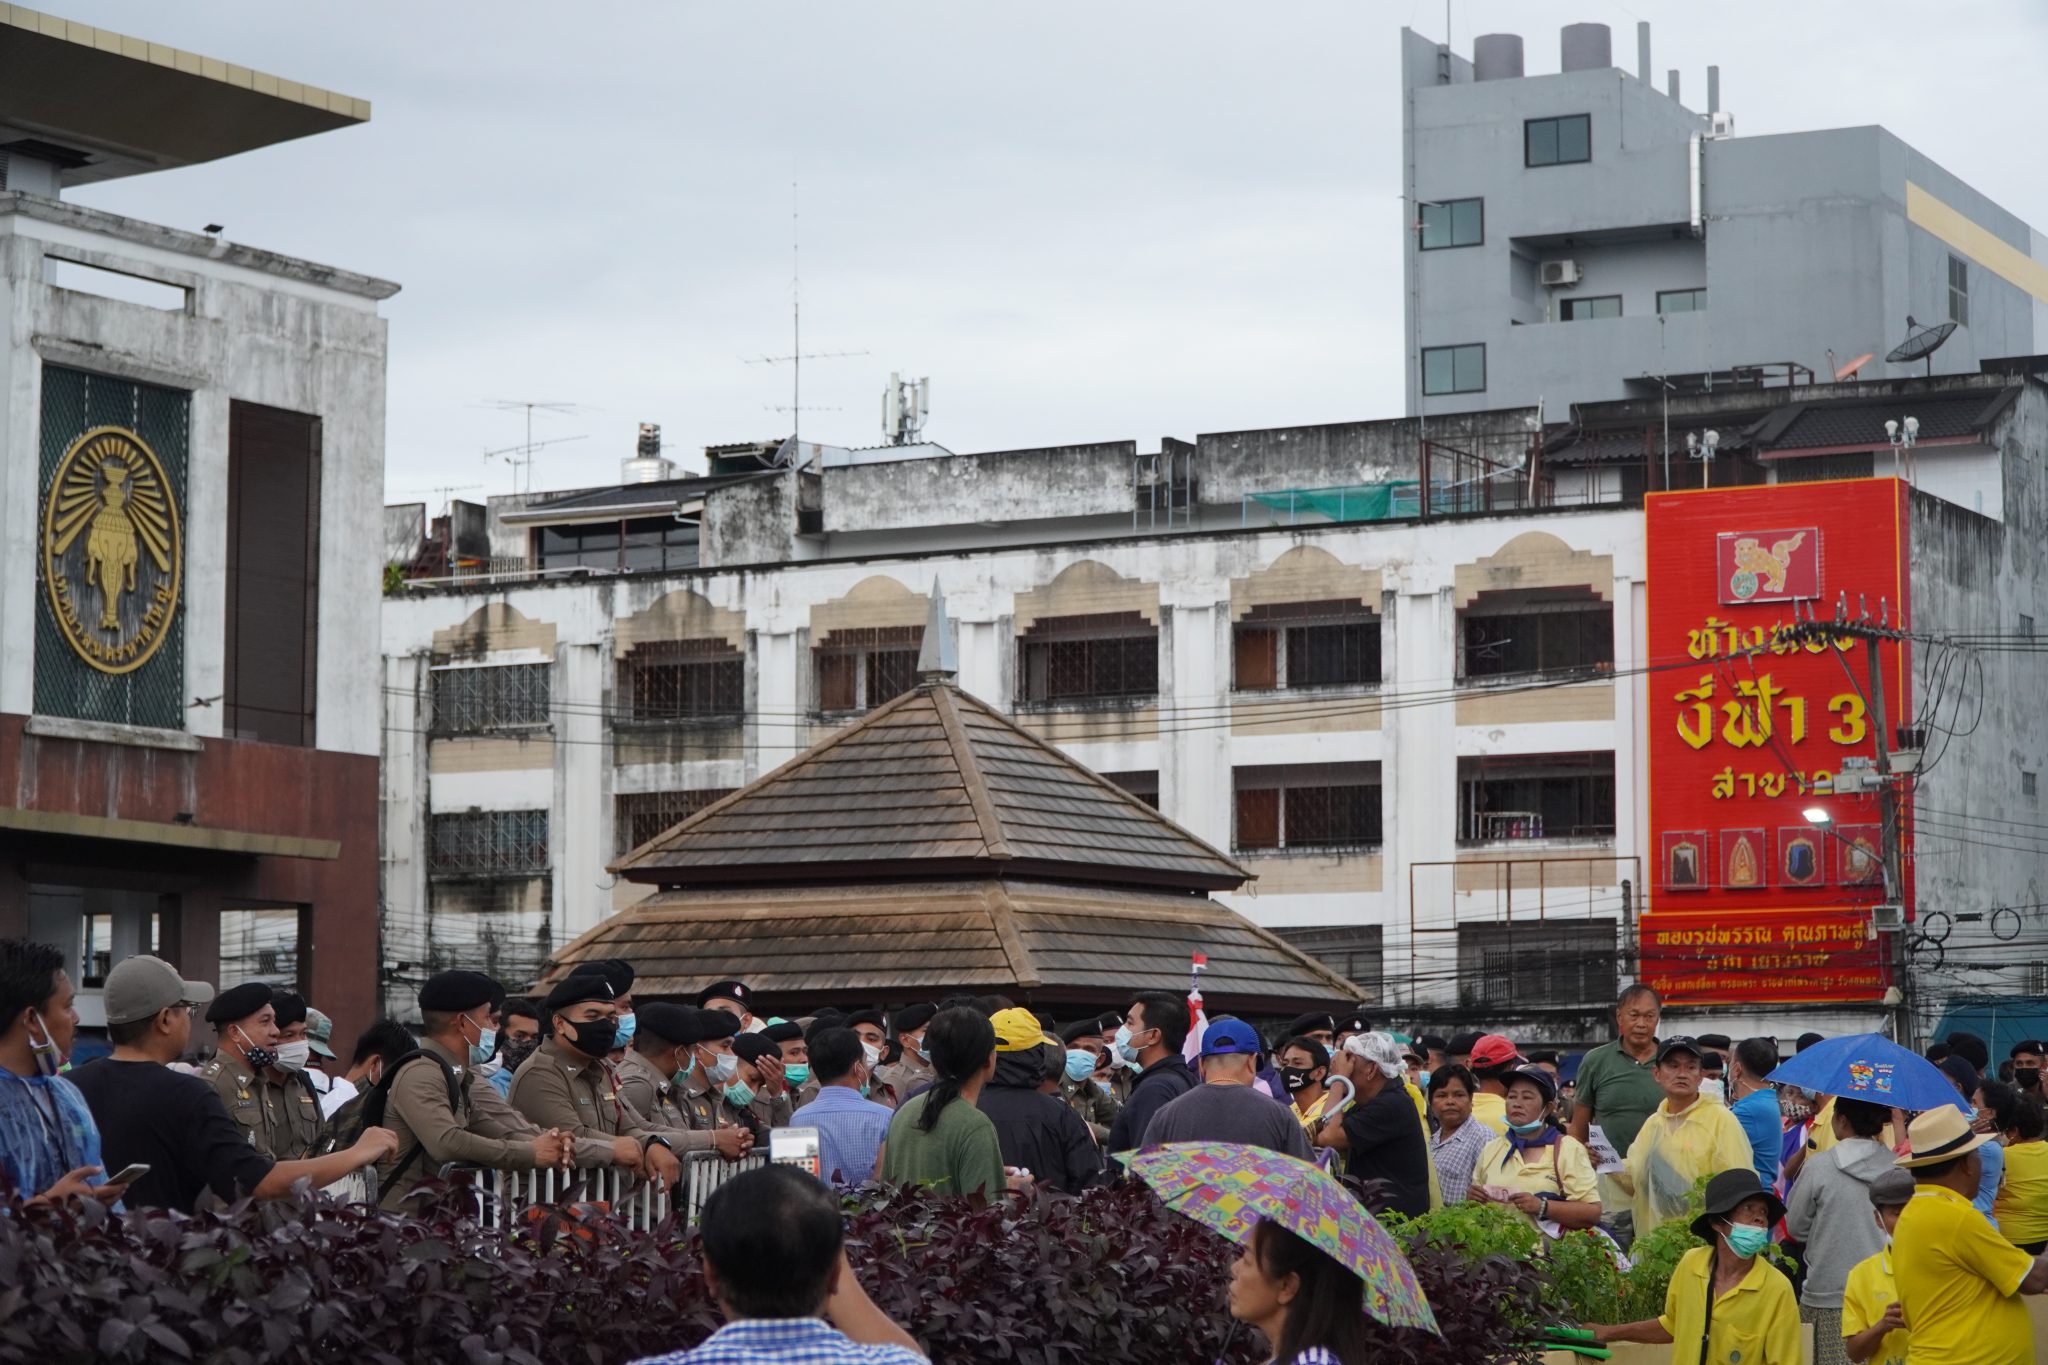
x=935 y=783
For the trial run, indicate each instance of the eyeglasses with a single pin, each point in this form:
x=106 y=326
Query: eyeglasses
x=191 y=1007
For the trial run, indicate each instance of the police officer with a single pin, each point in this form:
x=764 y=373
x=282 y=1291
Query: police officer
x=792 y=1060
x=909 y=1072
x=735 y=998
x=618 y=973
x=757 y=1095
x=276 y=1109
x=478 y=1128
x=713 y=1065
x=650 y=1080
x=568 y=1083
x=1082 y=1065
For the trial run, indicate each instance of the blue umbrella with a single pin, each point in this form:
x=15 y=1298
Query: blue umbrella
x=1870 y=1067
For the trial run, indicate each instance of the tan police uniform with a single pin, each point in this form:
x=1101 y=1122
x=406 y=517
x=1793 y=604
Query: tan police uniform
x=556 y=1088
x=659 y=1103
x=281 y=1118
x=904 y=1077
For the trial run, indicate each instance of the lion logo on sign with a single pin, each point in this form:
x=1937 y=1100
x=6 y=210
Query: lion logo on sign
x=1754 y=565
x=1861 y=1074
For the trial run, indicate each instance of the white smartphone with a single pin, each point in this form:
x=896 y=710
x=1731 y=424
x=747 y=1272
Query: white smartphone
x=128 y=1174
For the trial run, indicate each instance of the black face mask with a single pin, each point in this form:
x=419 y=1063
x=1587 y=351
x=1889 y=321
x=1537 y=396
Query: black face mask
x=516 y=1053
x=595 y=1037
x=1293 y=1078
x=2027 y=1077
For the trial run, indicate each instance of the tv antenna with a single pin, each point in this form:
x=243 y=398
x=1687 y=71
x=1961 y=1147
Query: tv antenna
x=1920 y=344
x=797 y=355
x=520 y=457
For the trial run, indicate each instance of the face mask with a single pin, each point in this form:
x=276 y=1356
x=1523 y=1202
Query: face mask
x=872 y=1054
x=725 y=1068
x=2027 y=1077
x=374 y=1077
x=1529 y=1129
x=1422 y=1079
x=863 y=1089
x=49 y=1061
x=1080 y=1065
x=1123 y=1044
x=797 y=1073
x=628 y=1024
x=292 y=1056
x=740 y=1093
x=1746 y=1241
x=595 y=1037
x=259 y=1057
x=486 y=1043
x=1714 y=1090
x=1293 y=1078
x=517 y=1053
x=917 y=1046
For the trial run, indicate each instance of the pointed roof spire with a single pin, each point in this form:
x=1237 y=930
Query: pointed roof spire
x=938 y=661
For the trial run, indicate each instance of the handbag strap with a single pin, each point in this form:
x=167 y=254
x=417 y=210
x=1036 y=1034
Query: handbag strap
x=1707 y=1327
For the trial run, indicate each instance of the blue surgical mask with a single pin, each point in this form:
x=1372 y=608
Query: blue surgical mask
x=1746 y=1241
x=1530 y=1129
x=1080 y=1065
x=627 y=1024
x=1422 y=1079
x=797 y=1073
x=485 y=1046
x=740 y=1093
x=1123 y=1043
x=725 y=1068
x=689 y=1065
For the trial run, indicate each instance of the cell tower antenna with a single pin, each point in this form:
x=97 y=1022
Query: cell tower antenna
x=797 y=355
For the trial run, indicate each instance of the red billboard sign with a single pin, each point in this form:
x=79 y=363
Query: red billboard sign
x=1748 y=730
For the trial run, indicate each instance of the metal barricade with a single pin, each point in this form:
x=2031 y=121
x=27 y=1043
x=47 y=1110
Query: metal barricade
x=504 y=1198
x=357 y=1187
x=704 y=1172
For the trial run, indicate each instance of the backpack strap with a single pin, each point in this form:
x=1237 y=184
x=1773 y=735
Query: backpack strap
x=380 y=1096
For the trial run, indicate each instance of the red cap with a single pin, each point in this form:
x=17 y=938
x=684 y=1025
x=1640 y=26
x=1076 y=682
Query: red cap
x=1494 y=1050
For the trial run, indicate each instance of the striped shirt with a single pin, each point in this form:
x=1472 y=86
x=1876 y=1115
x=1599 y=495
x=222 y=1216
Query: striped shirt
x=1456 y=1155
x=785 y=1341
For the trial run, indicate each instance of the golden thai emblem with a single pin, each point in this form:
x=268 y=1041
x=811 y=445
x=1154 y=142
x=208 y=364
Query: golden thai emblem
x=112 y=551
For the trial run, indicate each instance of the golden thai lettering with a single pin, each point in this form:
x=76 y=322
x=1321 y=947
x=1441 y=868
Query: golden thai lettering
x=1700 y=732
x=1853 y=728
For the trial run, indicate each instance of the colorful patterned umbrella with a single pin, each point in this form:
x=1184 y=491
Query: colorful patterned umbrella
x=1870 y=1066
x=1233 y=1188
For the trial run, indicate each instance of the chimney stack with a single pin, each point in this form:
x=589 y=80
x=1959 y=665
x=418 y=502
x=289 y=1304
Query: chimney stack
x=1671 y=84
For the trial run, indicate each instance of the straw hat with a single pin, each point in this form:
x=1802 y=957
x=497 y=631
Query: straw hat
x=1941 y=1135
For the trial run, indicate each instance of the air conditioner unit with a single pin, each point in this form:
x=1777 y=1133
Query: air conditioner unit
x=1721 y=124
x=1558 y=274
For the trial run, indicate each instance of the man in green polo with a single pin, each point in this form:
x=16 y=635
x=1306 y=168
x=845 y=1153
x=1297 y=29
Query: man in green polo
x=1618 y=1089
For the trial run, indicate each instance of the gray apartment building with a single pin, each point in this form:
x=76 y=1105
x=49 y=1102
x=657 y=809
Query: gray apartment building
x=1676 y=249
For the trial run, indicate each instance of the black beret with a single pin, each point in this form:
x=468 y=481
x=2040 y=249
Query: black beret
x=1087 y=1028
x=616 y=970
x=727 y=990
x=1433 y=1041
x=784 y=1032
x=1714 y=1040
x=1461 y=1044
x=858 y=1017
x=1807 y=1040
x=458 y=991
x=752 y=1047
x=828 y=1017
x=715 y=1024
x=669 y=1022
x=911 y=1018
x=574 y=990
x=244 y=1000
x=2026 y=1045
x=1357 y=1023
x=1311 y=1023
x=290 y=1007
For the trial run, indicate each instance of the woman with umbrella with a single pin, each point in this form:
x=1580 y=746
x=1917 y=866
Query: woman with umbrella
x=1306 y=1305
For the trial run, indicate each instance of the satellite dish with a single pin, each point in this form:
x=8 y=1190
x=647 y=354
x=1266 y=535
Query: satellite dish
x=1920 y=344
x=1848 y=371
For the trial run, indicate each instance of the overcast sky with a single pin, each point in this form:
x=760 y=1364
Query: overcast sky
x=1084 y=222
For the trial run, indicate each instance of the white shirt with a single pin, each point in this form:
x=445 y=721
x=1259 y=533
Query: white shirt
x=340 y=1090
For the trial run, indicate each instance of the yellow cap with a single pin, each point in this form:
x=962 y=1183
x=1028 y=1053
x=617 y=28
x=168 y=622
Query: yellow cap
x=1017 y=1030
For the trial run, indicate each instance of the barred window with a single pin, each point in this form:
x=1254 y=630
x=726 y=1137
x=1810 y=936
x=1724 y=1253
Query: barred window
x=1353 y=951
x=1104 y=656
x=1539 y=796
x=1560 y=962
x=1512 y=633
x=490 y=843
x=1307 y=644
x=1330 y=806
x=642 y=816
x=681 y=680
x=476 y=700
x=858 y=670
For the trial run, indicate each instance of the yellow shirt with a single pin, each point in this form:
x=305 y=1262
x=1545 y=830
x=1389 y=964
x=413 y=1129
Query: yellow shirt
x=1821 y=1135
x=1868 y=1293
x=1310 y=1118
x=1672 y=1152
x=1755 y=1323
x=2022 y=1204
x=1533 y=1171
x=1421 y=1103
x=1491 y=1110
x=1958 y=1281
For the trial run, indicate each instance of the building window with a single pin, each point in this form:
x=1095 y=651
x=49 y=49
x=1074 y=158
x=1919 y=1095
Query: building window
x=858 y=670
x=1353 y=951
x=1959 y=291
x=1454 y=369
x=490 y=843
x=1557 y=141
x=479 y=700
x=261 y=945
x=683 y=680
x=1511 y=633
x=643 y=544
x=1560 y=962
x=1536 y=796
x=2027 y=785
x=272 y=625
x=1453 y=222
x=1327 y=806
x=1306 y=644
x=641 y=816
x=1681 y=300
x=1585 y=310
x=1103 y=657
x=1143 y=785
x=2026 y=626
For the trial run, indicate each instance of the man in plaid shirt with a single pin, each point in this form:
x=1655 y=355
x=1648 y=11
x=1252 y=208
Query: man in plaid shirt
x=775 y=1259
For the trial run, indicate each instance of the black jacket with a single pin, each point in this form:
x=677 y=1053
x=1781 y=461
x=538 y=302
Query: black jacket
x=1165 y=1080
x=1038 y=1131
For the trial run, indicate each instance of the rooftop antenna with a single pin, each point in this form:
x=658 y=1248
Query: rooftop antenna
x=797 y=355
x=520 y=457
x=1920 y=344
x=906 y=403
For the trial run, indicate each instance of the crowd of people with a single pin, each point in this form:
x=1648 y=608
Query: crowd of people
x=1901 y=1233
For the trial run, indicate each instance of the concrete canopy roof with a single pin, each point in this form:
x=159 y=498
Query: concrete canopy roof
x=120 y=106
